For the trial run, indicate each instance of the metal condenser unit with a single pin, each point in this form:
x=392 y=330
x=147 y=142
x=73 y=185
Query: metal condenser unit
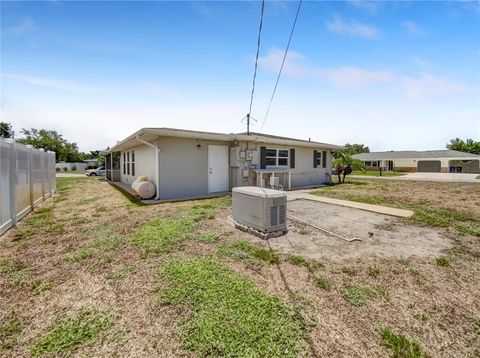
x=262 y=209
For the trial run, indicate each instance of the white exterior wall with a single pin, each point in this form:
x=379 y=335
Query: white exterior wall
x=184 y=167
x=144 y=164
x=303 y=175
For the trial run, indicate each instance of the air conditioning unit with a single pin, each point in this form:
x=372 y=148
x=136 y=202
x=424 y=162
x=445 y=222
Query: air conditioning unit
x=261 y=209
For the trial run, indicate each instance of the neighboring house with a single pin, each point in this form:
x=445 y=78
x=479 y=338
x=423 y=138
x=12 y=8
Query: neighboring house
x=187 y=164
x=445 y=161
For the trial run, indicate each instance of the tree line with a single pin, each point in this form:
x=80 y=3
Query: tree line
x=49 y=140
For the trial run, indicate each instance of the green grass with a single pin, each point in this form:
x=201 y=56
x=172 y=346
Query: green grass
x=40 y=221
x=10 y=328
x=40 y=287
x=303 y=262
x=228 y=316
x=401 y=346
x=206 y=209
x=163 y=235
x=442 y=261
x=477 y=177
x=120 y=274
x=322 y=283
x=376 y=173
x=15 y=273
x=207 y=237
x=243 y=250
x=73 y=332
x=357 y=295
x=103 y=248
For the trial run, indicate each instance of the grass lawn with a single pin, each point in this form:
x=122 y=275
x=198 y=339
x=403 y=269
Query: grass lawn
x=376 y=173
x=92 y=273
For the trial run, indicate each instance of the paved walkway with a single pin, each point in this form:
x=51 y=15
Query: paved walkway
x=301 y=194
x=436 y=177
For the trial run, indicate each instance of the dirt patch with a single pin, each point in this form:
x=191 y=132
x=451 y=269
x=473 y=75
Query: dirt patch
x=380 y=235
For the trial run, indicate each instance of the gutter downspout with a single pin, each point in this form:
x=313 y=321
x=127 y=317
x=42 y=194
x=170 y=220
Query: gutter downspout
x=157 y=165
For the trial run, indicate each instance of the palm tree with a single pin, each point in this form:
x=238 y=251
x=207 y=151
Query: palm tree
x=344 y=164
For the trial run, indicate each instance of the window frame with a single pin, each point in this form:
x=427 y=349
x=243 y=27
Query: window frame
x=277 y=157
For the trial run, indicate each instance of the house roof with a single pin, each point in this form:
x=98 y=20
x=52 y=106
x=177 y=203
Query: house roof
x=414 y=154
x=149 y=134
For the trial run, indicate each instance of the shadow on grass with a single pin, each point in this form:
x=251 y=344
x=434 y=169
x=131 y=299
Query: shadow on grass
x=131 y=198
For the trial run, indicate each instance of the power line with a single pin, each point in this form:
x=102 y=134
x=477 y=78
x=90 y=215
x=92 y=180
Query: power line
x=281 y=67
x=256 y=64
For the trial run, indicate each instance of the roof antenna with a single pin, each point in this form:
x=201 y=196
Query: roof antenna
x=248 y=117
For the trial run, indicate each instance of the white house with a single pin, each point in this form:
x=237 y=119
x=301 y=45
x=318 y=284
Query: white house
x=188 y=164
x=446 y=161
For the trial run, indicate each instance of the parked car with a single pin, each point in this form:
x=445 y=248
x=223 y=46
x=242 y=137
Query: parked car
x=100 y=171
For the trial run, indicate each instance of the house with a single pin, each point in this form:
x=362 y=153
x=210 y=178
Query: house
x=445 y=161
x=188 y=164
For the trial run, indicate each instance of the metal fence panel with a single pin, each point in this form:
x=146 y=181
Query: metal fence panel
x=27 y=178
x=23 y=179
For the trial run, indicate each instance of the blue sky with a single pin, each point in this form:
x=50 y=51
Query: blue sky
x=391 y=75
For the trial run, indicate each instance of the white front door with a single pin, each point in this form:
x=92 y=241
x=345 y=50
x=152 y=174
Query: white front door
x=217 y=168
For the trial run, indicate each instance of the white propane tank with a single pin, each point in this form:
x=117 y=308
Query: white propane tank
x=143 y=188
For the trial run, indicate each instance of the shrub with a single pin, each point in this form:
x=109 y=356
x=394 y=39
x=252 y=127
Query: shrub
x=65 y=169
x=73 y=168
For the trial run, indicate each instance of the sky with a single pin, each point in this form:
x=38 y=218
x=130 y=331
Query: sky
x=391 y=75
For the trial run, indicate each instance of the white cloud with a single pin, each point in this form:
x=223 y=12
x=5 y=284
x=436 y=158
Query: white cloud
x=295 y=63
x=352 y=77
x=352 y=28
x=371 y=7
x=412 y=28
x=65 y=85
x=26 y=25
x=357 y=78
x=427 y=84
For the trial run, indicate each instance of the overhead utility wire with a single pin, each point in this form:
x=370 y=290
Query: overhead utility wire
x=256 y=64
x=281 y=67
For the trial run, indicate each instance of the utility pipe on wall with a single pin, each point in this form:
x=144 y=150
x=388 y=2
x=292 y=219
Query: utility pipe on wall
x=157 y=165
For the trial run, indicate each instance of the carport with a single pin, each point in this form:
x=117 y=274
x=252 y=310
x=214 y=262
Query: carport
x=464 y=166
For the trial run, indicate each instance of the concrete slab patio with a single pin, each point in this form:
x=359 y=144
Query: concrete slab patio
x=304 y=195
x=379 y=234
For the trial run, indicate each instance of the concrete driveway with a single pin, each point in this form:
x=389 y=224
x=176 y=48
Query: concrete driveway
x=438 y=177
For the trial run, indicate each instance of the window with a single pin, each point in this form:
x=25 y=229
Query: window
x=133 y=163
x=124 y=163
x=276 y=157
x=318 y=159
x=374 y=163
x=368 y=163
x=128 y=163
